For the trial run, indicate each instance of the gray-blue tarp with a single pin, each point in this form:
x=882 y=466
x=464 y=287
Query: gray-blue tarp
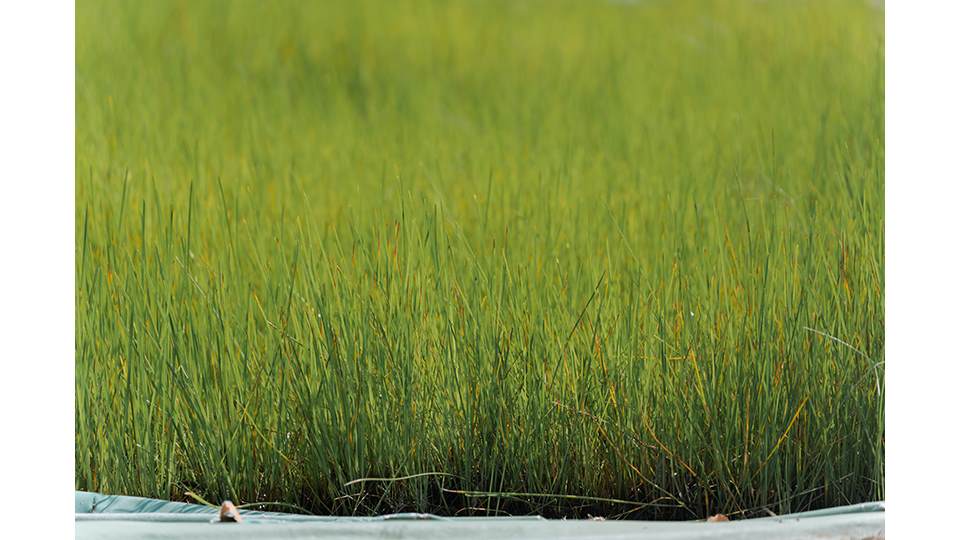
x=113 y=516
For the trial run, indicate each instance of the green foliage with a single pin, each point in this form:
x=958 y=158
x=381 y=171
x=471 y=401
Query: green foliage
x=621 y=258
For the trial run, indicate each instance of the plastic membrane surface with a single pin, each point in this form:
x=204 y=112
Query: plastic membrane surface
x=115 y=516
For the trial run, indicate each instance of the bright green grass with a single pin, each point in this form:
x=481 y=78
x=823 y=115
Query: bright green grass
x=593 y=249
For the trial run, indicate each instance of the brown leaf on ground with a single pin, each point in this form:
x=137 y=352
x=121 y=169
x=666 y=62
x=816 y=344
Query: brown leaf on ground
x=717 y=518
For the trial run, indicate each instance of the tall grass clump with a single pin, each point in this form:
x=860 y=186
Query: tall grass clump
x=618 y=258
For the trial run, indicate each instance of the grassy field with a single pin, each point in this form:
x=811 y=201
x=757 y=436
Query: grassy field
x=606 y=258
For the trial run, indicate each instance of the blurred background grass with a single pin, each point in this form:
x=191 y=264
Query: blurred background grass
x=615 y=250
